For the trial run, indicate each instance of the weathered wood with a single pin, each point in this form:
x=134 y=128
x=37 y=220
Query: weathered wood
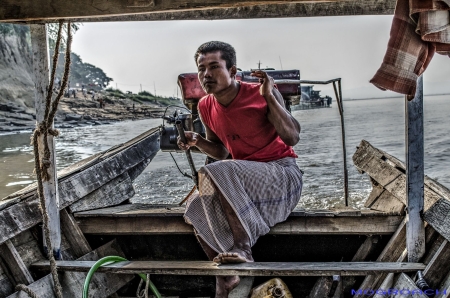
x=438 y=216
x=102 y=285
x=193 y=10
x=323 y=284
x=242 y=269
x=407 y=288
x=6 y=280
x=444 y=290
x=439 y=266
x=165 y=210
x=389 y=172
x=74 y=235
x=377 y=190
x=39 y=45
x=152 y=225
x=386 y=285
x=15 y=264
x=113 y=193
x=415 y=232
x=25 y=214
x=388 y=203
x=391 y=253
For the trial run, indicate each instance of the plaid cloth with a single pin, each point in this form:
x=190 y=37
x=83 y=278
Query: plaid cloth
x=419 y=29
x=262 y=194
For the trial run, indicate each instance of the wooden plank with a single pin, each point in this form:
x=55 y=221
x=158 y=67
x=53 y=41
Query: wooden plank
x=112 y=193
x=15 y=264
x=25 y=214
x=80 y=10
x=28 y=247
x=444 y=289
x=377 y=190
x=388 y=203
x=415 y=232
x=74 y=235
x=389 y=173
x=6 y=280
x=102 y=285
x=292 y=226
x=323 y=284
x=39 y=45
x=439 y=266
x=135 y=210
x=403 y=287
x=438 y=216
x=392 y=252
x=407 y=288
x=242 y=269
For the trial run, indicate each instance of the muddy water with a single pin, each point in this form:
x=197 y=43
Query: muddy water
x=380 y=121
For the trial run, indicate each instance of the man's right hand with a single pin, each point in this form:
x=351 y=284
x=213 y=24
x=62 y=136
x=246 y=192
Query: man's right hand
x=191 y=138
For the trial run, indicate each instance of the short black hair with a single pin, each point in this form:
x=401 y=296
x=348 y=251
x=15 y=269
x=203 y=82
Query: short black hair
x=227 y=51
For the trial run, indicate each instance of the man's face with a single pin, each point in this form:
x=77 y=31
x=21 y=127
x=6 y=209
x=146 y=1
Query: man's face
x=213 y=73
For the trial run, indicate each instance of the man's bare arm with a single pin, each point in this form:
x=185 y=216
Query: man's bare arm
x=286 y=126
x=211 y=145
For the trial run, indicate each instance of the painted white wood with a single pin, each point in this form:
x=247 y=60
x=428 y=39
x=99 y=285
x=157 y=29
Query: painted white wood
x=39 y=43
x=415 y=231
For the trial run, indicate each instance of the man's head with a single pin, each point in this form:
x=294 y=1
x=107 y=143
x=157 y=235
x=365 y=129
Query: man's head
x=216 y=65
x=227 y=51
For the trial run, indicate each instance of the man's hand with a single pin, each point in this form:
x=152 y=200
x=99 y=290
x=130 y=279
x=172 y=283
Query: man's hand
x=191 y=138
x=266 y=81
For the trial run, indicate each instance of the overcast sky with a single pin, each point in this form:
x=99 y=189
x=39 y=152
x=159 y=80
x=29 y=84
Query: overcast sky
x=155 y=53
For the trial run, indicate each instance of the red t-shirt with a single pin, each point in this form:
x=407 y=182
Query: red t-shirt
x=243 y=126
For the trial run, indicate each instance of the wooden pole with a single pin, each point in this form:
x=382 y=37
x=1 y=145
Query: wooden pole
x=415 y=232
x=39 y=43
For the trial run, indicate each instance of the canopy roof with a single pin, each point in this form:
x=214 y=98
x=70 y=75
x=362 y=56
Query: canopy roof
x=45 y=11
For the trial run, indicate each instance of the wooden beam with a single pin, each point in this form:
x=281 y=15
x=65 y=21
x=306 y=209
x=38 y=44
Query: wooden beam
x=39 y=45
x=113 y=193
x=389 y=172
x=439 y=266
x=392 y=252
x=444 y=291
x=145 y=10
x=438 y=216
x=80 y=246
x=25 y=214
x=15 y=264
x=152 y=225
x=415 y=232
x=102 y=285
x=324 y=284
x=242 y=269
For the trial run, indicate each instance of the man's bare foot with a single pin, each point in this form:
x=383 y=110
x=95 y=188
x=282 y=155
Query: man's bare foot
x=225 y=284
x=234 y=256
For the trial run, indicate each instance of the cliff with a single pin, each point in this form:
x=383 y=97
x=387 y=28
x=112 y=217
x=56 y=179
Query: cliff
x=16 y=84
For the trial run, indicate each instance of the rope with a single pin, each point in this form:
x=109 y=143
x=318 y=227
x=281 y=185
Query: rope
x=43 y=164
x=144 y=292
x=27 y=290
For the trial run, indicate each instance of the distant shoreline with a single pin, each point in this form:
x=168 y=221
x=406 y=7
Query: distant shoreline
x=396 y=96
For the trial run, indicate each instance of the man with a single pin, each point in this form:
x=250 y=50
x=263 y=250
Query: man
x=239 y=199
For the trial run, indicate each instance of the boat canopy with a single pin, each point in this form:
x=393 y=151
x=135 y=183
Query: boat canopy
x=48 y=11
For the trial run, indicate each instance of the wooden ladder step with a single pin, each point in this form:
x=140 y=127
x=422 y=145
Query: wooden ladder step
x=243 y=269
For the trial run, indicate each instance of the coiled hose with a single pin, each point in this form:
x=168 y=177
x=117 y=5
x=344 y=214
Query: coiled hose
x=110 y=260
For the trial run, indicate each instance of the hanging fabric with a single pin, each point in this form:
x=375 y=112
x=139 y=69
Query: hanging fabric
x=419 y=29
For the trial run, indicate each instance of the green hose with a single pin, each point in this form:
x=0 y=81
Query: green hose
x=110 y=260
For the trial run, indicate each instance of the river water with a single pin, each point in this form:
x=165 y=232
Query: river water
x=379 y=121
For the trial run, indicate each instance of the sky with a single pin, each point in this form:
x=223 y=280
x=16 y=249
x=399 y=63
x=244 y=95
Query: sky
x=154 y=53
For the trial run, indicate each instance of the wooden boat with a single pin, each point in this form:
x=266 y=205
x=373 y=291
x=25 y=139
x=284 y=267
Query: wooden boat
x=102 y=218
x=317 y=253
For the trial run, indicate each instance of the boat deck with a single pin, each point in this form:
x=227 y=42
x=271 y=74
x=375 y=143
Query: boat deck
x=143 y=219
